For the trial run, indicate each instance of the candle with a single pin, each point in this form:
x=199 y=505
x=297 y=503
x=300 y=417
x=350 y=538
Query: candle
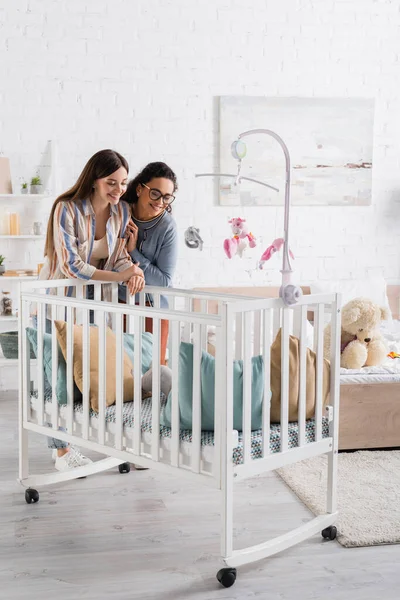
x=14 y=224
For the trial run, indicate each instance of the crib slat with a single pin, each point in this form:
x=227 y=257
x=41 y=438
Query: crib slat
x=219 y=388
x=257 y=332
x=97 y=296
x=101 y=320
x=119 y=382
x=155 y=400
x=79 y=296
x=131 y=318
x=203 y=326
x=86 y=374
x=41 y=324
x=319 y=324
x=170 y=355
x=238 y=335
x=137 y=377
x=26 y=361
x=266 y=410
x=301 y=311
x=114 y=300
x=174 y=355
x=285 y=380
x=54 y=369
x=247 y=376
x=276 y=322
x=186 y=328
x=196 y=423
x=70 y=370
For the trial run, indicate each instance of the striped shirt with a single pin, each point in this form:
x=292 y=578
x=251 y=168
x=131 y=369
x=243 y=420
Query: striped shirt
x=74 y=228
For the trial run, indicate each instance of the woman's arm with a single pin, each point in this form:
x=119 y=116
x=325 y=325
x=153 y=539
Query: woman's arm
x=161 y=273
x=66 y=248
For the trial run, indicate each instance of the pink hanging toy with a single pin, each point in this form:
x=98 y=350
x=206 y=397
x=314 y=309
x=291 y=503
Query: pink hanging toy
x=238 y=242
x=274 y=247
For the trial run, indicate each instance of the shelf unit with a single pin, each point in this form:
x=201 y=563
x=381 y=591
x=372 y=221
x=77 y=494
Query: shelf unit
x=22 y=251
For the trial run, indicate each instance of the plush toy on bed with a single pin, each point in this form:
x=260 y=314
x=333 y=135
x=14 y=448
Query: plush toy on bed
x=165 y=381
x=361 y=344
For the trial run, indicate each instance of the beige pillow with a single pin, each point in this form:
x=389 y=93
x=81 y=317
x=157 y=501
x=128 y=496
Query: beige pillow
x=111 y=347
x=294 y=379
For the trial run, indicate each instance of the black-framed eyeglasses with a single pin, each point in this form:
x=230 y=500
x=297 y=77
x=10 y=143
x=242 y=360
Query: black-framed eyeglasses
x=157 y=195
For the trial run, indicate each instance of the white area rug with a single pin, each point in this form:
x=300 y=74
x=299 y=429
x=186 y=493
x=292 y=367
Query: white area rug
x=368 y=494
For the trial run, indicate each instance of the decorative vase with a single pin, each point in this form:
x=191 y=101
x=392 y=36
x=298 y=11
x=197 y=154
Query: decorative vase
x=36 y=189
x=2 y=270
x=24 y=190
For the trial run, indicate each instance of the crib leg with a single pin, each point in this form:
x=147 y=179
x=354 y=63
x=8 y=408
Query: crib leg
x=23 y=466
x=227 y=575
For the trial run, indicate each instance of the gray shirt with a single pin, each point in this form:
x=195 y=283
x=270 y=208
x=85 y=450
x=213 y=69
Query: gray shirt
x=156 y=252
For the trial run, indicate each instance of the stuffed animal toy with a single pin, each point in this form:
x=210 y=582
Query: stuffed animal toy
x=361 y=342
x=274 y=247
x=241 y=236
x=193 y=239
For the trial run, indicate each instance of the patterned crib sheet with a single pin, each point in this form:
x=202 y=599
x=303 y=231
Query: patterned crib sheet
x=207 y=437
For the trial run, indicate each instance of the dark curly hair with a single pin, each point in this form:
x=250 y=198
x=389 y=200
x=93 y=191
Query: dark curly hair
x=151 y=171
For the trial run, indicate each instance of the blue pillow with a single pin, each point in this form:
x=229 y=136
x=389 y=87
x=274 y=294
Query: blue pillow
x=147 y=349
x=207 y=377
x=61 y=387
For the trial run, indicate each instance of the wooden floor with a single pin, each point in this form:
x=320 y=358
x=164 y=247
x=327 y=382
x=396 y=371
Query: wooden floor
x=145 y=535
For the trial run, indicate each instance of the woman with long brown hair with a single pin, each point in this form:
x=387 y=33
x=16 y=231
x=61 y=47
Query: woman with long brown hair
x=86 y=240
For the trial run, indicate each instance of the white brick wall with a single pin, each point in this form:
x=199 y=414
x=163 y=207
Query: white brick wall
x=143 y=77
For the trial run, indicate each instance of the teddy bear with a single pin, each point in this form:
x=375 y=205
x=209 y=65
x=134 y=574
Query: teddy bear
x=361 y=344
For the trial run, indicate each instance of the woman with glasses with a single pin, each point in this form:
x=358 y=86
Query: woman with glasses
x=152 y=239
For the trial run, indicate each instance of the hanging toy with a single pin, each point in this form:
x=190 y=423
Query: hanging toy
x=274 y=247
x=193 y=239
x=241 y=236
x=393 y=355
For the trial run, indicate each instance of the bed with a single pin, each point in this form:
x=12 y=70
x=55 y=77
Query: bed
x=369 y=399
x=240 y=442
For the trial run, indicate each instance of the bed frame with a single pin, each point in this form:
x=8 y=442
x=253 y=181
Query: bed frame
x=370 y=412
x=243 y=321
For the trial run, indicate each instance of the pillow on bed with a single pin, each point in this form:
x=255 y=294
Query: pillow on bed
x=147 y=349
x=110 y=391
x=207 y=376
x=61 y=387
x=294 y=379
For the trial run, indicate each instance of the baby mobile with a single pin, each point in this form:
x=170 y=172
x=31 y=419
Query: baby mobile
x=242 y=237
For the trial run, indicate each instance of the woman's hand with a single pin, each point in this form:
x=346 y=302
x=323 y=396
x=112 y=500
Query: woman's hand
x=135 y=284
x=132 y=271
x=131 y=236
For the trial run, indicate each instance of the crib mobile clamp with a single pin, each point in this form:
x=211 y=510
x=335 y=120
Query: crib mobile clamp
x=289 y=292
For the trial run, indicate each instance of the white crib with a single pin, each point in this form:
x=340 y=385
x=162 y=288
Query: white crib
x=131 y=432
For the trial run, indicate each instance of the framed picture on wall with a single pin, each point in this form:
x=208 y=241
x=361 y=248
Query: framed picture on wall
x=330 y=141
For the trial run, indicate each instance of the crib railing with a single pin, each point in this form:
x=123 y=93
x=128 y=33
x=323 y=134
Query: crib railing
x=242 y=327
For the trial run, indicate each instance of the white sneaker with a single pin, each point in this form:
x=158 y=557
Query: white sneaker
x=71 y=460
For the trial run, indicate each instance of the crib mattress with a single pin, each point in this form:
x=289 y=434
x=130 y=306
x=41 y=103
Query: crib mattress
x=207 y=437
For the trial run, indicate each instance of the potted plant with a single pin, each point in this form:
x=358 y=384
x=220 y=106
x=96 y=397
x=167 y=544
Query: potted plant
x=24 y=188
x=2 y=267
x=36 y=185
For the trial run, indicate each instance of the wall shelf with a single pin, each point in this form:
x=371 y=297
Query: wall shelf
x=16 y=278
x=23 y=196
x=4 y=319
x=22 y=237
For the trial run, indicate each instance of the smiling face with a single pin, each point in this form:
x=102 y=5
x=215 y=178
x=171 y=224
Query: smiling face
x=108 y=190
x=153 y=197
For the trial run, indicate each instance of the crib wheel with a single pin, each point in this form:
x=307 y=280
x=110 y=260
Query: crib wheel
x=227 y=576
x=329 y=533
x=31 y=496
x=124 y=468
